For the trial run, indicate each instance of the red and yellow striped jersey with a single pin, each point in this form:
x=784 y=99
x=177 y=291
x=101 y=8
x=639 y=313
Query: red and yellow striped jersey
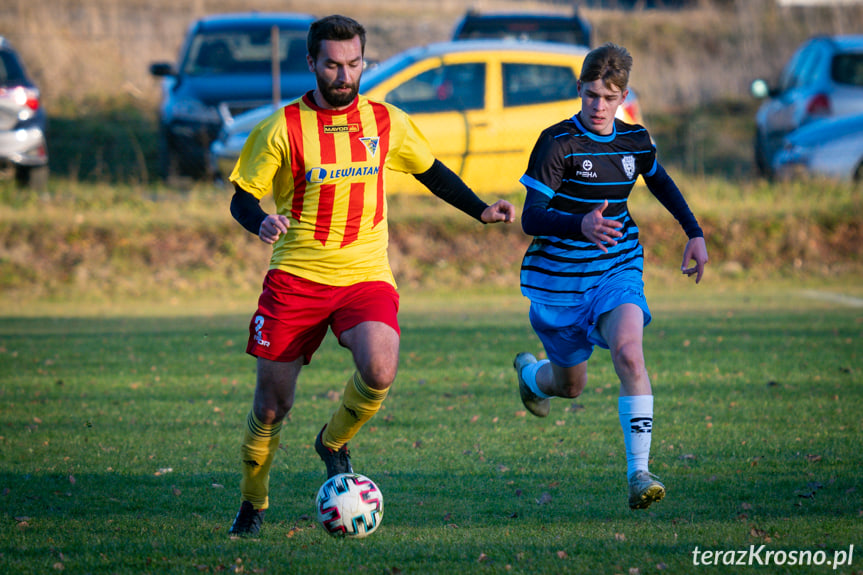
x=326 y=170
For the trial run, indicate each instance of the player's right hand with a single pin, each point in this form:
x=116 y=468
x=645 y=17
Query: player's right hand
x=273 y=226
x=599 y=230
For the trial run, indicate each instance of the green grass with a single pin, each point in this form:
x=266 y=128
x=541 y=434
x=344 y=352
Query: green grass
x=120 y=425
x=109 y=242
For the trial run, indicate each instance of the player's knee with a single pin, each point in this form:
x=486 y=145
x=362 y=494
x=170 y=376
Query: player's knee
x=629 y=359
x=379 y=375
x=273 y=413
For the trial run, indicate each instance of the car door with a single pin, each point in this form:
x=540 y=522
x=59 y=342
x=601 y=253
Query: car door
x=468 y=79
x=424 y=90
x=536 y=93
x=846 y=81
x=787 y=109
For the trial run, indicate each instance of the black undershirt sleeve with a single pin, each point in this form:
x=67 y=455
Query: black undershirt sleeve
x=666 y=191
x=538 y=220
x=247 y=210
x=445 y=184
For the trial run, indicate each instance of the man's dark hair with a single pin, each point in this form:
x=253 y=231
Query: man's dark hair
x=335 y=27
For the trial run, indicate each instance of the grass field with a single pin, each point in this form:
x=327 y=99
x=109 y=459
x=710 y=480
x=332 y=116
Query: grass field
x=120 y=429
x=124 y=306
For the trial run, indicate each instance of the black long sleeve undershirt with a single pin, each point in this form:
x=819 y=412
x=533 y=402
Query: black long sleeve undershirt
x=666 y=191
x=247 y=210
x=446 y=185
x=538 y=220
x=443 y=183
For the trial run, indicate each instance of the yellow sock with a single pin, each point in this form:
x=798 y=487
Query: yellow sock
x=359 y=404
x=259 y=447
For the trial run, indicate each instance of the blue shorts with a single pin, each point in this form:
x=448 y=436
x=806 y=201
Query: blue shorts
x=568 y=333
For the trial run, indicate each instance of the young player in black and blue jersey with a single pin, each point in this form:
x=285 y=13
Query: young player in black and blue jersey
x=583 y=271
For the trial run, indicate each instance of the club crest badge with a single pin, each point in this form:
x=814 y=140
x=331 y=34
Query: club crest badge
x=371 y=144
x=628 y=165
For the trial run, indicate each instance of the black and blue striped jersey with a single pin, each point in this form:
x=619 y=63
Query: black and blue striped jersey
x=570 y=171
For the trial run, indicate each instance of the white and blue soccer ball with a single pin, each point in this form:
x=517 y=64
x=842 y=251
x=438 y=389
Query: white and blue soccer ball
x=350 y=505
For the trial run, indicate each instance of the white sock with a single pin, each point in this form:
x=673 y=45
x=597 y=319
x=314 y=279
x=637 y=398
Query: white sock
x=528 y=374
x=636 y=419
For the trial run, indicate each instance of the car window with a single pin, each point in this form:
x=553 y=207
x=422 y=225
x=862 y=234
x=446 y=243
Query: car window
x=791 y=75
x=537 y=83
x=812 y=67
x=447 y=88
x=378 y=73
x=244 y=51
x=847 y=69
x=11 y=72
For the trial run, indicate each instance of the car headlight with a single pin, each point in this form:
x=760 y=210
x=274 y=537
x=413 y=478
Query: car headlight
x=195 y=111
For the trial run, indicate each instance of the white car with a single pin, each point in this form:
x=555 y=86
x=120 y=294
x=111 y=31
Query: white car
x=23 y=150
x=828 y=148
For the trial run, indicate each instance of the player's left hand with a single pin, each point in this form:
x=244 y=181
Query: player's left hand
x=500 y=211
x=696 y=250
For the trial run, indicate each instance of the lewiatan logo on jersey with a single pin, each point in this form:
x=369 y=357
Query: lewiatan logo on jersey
x=322 y=175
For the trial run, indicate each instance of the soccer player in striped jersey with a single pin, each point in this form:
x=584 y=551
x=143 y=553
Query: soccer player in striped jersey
x=324 y=158
x=583 y=270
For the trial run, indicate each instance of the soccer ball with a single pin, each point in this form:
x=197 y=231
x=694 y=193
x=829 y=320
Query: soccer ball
x=349 y=504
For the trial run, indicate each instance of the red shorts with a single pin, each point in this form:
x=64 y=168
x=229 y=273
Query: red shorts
x=294 y=314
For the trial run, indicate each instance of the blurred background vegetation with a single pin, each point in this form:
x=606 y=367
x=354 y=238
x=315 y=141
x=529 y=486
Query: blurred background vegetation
x=106 y=228
x=692 y=73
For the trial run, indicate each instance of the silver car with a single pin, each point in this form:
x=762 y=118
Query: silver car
x=828 y=148
x=823 y=79
x=23 y=151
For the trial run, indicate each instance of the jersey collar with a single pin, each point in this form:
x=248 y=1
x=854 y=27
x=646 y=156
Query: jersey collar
x=594 y=136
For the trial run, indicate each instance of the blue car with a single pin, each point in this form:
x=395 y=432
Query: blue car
x=831 y=148
x=823 y=79
x=225 y=68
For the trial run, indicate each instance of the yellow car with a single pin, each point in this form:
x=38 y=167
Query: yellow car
x=481 y=104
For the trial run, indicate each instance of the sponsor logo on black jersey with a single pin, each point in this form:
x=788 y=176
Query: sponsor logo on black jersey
x=586 y=170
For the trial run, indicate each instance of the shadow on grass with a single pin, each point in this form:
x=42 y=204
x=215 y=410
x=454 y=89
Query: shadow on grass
x=446 y=520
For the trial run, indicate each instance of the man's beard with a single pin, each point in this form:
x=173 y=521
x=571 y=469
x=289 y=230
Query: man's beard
x=339 y=99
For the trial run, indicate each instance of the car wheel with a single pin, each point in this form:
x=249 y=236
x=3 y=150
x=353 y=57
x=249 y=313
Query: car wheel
x=762 y=163
x=174 y=171
x=169 y=168
x=33 y=177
